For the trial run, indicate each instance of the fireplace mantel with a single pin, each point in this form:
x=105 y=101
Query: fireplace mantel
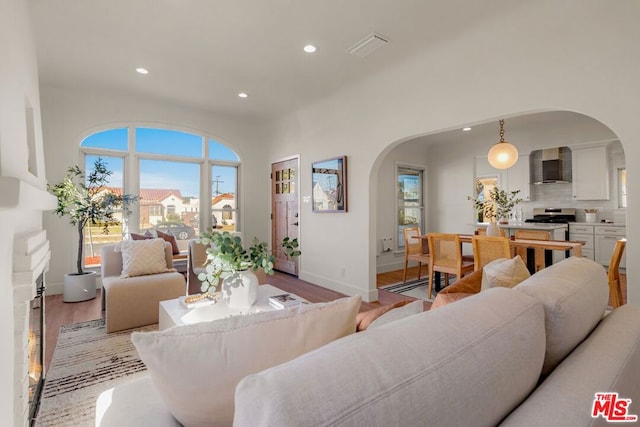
x=31 y=255
x=19 y=194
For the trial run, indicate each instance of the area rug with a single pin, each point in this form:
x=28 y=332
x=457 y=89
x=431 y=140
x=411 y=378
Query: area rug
x=416 y=288
x=86 y=362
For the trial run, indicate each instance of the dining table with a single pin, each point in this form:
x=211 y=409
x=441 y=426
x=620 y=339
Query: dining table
x=573 y=246
x=551 y=245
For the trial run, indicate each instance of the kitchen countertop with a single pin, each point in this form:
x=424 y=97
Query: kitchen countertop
x=608 y=224
x=528 y=225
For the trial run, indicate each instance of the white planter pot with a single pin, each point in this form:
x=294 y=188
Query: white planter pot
x=79 y=287
x=240 y=290
x=493 y=229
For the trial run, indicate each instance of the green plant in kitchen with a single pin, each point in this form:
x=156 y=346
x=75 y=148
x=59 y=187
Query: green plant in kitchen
x=505 y=201
x=499 y=204
x=226 y=256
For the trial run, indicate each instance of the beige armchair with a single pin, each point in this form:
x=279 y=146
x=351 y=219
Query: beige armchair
x=134 y=301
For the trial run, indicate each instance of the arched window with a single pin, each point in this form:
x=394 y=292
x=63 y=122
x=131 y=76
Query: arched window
x=165 y=167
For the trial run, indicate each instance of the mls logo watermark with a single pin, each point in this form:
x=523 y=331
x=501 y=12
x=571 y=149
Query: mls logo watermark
x=612 y=408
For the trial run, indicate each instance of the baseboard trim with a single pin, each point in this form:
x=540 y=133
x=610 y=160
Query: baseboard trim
x=344 y=288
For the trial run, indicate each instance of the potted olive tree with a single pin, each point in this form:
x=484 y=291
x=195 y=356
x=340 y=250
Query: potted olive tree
x=85 y=200
x=232 y=265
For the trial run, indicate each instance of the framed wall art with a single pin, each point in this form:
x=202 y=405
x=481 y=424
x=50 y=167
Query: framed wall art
x=329 y=185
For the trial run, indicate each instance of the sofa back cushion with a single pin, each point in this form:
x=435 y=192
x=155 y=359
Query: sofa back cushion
x=574 y=293
x=468 y=363
x=196 y=367
x=607 y=361
x=398 y=313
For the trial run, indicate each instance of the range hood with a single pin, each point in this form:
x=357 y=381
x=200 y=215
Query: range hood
x=551 y=166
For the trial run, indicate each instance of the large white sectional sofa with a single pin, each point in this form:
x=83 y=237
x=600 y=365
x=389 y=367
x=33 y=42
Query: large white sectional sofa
x=535 y=355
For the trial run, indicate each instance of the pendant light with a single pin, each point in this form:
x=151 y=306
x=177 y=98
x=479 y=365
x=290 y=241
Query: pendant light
x=503 y=154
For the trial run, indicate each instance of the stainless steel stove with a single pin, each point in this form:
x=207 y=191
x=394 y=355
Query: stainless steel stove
x=553 y=215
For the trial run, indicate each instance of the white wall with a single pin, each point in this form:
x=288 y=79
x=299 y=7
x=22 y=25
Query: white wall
x=575 y=56
x=411 y=153
x=70 y=115
x=18 y=89
x=451 y=174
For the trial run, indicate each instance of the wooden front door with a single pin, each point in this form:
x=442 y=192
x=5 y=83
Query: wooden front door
x=284 y=211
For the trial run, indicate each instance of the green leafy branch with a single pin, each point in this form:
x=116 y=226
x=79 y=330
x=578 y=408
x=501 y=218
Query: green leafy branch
x=498 y=205
x=226 y=255
x=87 y=199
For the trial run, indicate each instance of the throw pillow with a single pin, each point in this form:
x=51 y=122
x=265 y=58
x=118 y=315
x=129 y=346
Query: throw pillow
x=151 y=233
x=505 y=272
x=135 y=236
x=171 y=239
x=196 y=367
x=364 y=319
x=407 y=310
x=143 y=257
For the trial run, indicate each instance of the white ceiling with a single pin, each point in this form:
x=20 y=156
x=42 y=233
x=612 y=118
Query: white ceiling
x=563 y=127
x=202 y=53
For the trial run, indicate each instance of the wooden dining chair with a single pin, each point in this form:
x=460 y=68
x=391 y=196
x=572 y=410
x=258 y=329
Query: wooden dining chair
x=489 y=248
x=615 y=290
x=538 y=253
x=446 y=257
x=413 y=250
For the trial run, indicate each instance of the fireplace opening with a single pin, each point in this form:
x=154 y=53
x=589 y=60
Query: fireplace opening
x=36 y=349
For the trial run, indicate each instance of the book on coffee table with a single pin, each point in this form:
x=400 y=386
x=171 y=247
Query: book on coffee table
x=195 y=302
x=285 y=300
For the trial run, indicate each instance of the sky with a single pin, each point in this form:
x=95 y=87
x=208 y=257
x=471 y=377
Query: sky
x=182 y=175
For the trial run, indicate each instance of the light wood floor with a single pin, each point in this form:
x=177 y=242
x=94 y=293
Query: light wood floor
x=58 y=313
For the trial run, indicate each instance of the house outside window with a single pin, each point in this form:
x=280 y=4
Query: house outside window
x=409 y=200
x=164 y=168
x=94 y=236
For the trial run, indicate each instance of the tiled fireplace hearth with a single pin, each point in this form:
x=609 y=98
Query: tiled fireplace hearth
x=31 y=257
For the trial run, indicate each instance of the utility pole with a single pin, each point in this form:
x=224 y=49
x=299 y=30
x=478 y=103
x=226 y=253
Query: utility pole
x=217 y=183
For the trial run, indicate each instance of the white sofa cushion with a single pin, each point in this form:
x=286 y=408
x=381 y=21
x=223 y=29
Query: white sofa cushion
x=398 y=313
x=607 y=361
x=574 y=293
x=465 y=364
x=196 y=367
x=133 y=403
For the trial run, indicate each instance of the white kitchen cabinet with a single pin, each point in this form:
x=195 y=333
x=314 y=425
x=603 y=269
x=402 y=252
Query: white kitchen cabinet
x=590 y=170
x=605 y=239
x=584 y=233
x=518 y=178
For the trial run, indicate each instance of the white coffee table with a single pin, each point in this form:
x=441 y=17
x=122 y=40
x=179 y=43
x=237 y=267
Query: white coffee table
x=173 y=312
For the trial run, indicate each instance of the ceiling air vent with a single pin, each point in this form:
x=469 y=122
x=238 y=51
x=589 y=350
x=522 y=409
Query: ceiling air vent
x=367 y=45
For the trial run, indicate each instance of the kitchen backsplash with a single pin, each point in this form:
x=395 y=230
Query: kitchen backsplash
x=560 y=196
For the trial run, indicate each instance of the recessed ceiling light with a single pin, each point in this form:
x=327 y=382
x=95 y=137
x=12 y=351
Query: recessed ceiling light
x=243 y=95
x=467 y=129
x=141 y=70
x=310 y=48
